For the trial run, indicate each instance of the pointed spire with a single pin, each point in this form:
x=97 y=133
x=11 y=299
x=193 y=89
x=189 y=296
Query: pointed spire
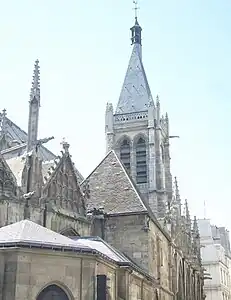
x=4 y=143
x=166 y=117
x=135 y=94
x=177 y=195
x=34 y=105
x=157 y=101
x=3 y=129
x=195 y=228
x=66 y=146
x=187 y=216
x=35 y=89
x=109 y=107
x=196 y=241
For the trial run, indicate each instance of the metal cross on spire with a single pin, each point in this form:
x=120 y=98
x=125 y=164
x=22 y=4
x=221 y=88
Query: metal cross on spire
x=135 y=8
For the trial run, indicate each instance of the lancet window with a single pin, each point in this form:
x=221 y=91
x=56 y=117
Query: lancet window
x=141 y=161
x=125 y=154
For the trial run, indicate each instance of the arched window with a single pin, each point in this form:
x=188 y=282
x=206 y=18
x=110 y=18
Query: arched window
x=125 y=154
x=53 y=292
x=141 y=161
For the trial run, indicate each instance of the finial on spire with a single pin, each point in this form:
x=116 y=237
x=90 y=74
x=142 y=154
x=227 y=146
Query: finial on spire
x=157 y=100
x=136 y=29
x=65 y=145
x=135 y=8
x=3 y=121
x=195 y=228
x=177 y=193
x=35 y=89
x=187 y=214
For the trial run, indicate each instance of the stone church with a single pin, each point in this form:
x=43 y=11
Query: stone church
x=122 y=232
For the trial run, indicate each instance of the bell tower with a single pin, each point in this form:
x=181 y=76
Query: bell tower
x=138 y=132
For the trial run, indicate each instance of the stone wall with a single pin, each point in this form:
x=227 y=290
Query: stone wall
x=150 y=248
x=127 y=234
x=13 y=210
x=159 y=256
x=26 y=272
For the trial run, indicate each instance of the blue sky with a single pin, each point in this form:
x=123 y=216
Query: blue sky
x=84 y=48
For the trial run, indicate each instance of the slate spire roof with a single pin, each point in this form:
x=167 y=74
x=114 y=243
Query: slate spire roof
x=135 y=94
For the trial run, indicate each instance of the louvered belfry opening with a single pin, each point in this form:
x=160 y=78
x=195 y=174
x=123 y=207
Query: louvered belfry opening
x=125 y=154
x=141 y=161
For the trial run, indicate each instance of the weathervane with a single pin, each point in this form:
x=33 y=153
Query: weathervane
x=135 y=7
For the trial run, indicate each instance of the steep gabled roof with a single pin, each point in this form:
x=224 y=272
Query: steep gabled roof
x=112 y=188
x=135 y=94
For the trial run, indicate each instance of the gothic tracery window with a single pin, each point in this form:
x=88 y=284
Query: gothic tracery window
x=125 y=154
x=141 y=161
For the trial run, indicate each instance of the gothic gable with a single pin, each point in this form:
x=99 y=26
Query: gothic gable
x=62 y=186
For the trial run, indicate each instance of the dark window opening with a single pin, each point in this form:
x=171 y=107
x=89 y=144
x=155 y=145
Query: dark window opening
x=141 y=161
x=125 y=154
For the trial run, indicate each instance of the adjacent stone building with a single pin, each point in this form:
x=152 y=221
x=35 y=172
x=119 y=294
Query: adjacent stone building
x=128 y=205
x=37 y=263
x=216 y=258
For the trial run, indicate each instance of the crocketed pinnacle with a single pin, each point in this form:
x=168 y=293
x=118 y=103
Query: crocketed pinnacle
x=35 y=89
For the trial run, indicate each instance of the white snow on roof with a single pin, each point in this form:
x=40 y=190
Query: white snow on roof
x=29 y=232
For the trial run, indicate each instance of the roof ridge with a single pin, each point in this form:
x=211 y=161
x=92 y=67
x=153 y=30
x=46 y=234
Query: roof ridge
x=96 y=167
x=130 y=180
x=143 y=201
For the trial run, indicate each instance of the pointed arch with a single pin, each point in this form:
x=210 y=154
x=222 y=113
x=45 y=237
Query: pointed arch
x=141 y=159
x=125 y=152
x=54 y=291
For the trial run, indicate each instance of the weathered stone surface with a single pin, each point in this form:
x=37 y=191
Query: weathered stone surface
x=112 y=189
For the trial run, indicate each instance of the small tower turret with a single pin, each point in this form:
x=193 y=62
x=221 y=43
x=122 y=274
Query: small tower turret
x=136 y=33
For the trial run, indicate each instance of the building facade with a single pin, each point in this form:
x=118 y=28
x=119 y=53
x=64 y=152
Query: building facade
x=129 y=201
x=215 y=254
